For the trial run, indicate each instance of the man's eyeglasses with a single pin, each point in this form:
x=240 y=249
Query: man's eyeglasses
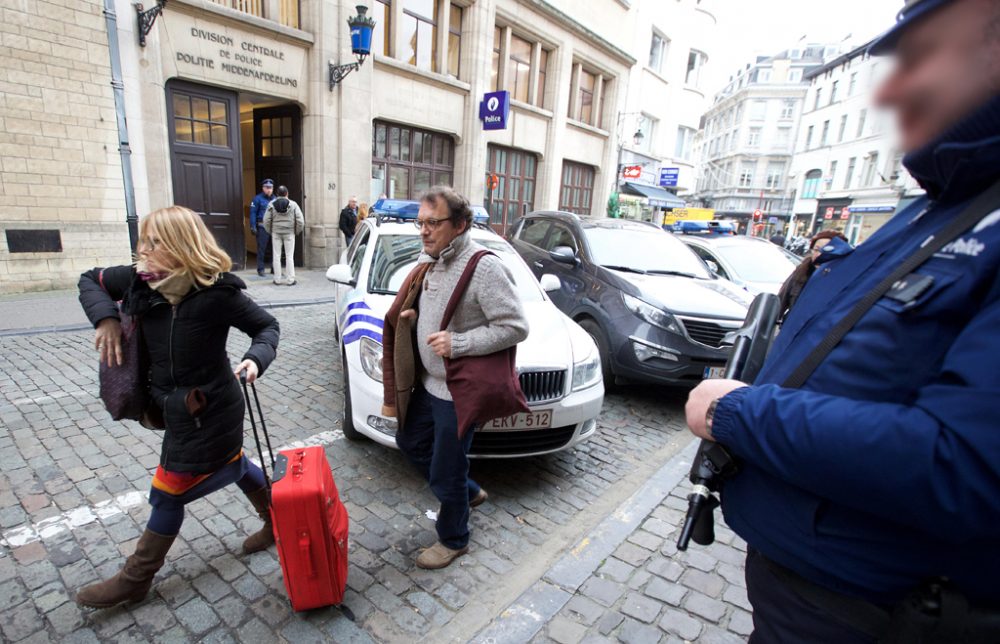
x=432 y=224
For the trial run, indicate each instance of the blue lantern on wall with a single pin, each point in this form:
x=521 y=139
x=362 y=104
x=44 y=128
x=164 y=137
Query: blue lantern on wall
x=361 y=26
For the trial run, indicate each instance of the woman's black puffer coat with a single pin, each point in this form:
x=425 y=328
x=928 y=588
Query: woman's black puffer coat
x=190 y=375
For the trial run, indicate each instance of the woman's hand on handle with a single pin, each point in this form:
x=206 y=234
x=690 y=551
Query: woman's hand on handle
x=250 y=367
x=108 y=341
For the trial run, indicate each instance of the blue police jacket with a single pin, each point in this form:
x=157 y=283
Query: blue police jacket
x=884 y=469
x=258 y=206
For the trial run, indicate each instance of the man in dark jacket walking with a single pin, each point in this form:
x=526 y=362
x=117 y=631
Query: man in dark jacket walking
x=349 y=220
x=258 y=206
x=883 y=470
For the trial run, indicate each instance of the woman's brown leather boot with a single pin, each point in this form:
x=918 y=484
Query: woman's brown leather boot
x=262 y=539
x=133 y=581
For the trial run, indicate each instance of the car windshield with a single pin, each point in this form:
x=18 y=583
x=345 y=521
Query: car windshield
x=396 y=255
x=643 y=251
x=757 y=261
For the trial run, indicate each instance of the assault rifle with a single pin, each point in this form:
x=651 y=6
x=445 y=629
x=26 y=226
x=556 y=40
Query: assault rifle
x=713 y=463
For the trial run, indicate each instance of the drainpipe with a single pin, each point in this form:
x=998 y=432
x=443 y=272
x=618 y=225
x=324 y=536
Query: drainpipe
x=131 y=218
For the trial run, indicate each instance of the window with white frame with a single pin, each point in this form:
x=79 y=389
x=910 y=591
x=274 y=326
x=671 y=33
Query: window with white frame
x=746 y=175
x=809 y=136
x=646 y=125
x=753 y=137
x=696 y=60
x=833 y=92
x=843 y=129
x=787 y=110
x=869 y=170
x=831 y=174
x=849 y=174
x=810 y=184
x=824 y=136
x=685 y=135
x=657 y=52
x=775 y=173
x=758 y=110
x=782 y=137
x=862 y=117
x=764 y=76
x=819 y=97
x=794 y=75
x=852 y=84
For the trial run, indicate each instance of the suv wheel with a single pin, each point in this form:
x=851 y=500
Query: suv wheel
x=347 y=425
x=594 y=330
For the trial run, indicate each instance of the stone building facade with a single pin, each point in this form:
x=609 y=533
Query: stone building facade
x=225 y=93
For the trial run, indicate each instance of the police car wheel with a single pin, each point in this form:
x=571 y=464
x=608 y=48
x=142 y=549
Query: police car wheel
x=347 y=425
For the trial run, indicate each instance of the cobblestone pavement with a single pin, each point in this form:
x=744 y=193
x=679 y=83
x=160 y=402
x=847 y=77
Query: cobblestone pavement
x=73 y=487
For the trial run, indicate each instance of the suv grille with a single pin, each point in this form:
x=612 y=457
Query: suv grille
x=542 y=386
x=707 y=333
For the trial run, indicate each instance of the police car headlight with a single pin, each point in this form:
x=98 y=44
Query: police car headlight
x=371 y=358
x=587 y=372
x=651 y=314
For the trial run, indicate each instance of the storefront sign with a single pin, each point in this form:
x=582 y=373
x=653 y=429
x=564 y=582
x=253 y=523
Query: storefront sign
x=845 y=212
x=829 y=213
x=494 y=110
x=632 y=171
x=224 y=55
x=668 y=177
x=872 y=208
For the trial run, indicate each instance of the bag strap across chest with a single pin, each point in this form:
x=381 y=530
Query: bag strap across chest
x=461 y=287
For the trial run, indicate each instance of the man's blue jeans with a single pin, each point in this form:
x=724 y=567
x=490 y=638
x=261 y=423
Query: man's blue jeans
x=263 y=237
x=429 y=440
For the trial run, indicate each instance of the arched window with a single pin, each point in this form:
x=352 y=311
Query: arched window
x=811 y=184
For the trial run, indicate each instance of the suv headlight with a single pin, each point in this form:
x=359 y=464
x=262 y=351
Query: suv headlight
x=653 y=315
x=587 y=372
x=371 y=358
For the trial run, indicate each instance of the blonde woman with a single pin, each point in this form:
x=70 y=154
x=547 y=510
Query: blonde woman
x=186 y=301
x=362 y=215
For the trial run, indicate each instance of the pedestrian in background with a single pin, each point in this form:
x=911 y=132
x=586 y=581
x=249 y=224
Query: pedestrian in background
x=349 y=220
x=362 y=215
x=258 y=206
x=793 y=286
x=186 y=300
x=869 y=488
x=284 y=220
x=489 y=318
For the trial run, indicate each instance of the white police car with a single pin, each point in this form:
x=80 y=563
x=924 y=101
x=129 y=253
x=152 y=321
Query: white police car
x=559 y=366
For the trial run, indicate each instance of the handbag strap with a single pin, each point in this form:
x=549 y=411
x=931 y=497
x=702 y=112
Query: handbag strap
x=984 y=204
x=461 y=286
x=263 y=427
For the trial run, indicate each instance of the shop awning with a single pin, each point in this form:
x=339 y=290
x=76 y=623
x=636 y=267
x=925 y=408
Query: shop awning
x=882 y=207
x=657 y=196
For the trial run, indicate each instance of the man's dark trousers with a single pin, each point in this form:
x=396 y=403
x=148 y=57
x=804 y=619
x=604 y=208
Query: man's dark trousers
x=263 y=239
x=781 y=615
x=429 y=440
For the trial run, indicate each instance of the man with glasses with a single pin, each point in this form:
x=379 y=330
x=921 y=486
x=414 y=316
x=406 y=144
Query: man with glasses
x=489 y=318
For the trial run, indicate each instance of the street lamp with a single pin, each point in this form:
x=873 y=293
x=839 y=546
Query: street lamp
x=361 y=26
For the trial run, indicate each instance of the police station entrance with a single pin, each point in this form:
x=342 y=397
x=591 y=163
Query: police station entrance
x=223 y=144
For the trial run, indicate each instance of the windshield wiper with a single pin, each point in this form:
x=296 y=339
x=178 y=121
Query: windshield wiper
x=667 y=272
x=627 y=269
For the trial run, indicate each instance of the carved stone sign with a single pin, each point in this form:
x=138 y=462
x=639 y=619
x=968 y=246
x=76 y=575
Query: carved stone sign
x=200 y=49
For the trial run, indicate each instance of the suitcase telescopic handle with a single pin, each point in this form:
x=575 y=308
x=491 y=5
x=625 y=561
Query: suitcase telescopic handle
x=253 y=424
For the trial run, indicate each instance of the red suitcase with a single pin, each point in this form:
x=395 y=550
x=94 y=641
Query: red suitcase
x=310 y=522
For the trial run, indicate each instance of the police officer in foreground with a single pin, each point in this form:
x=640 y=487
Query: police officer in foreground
x=258 y=206
x=869 y=495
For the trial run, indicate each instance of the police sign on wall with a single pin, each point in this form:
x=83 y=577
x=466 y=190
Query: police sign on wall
x=494 y=110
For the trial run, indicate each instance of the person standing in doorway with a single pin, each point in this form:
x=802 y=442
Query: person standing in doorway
x=284 y=220
x=349 y=219
x=489 y=318
x=258 y=206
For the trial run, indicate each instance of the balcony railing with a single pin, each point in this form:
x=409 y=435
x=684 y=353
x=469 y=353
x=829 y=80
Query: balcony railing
x=285 y=12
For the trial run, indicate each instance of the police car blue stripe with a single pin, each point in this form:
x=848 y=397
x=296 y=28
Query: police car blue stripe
x=360 y=317
x=358 y=305
x=357 y=334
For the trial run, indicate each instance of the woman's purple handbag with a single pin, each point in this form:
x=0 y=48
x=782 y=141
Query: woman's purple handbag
x=483 y=387
x=125 y=388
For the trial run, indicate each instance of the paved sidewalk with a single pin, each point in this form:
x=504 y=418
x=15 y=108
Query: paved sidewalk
x=627 y=582
x=61 y=311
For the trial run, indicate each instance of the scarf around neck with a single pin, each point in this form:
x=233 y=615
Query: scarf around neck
x=173 y=286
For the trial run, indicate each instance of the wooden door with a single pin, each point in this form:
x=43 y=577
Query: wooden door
x=277 y=140
x=204 y=130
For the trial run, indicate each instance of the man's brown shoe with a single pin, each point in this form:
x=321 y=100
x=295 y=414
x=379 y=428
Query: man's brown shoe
x=479 y=499
x=439 y=556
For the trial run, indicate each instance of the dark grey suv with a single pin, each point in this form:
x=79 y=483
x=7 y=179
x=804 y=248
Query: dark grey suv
x=655 y=310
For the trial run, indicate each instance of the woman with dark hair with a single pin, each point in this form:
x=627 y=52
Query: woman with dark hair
x=793 y=286
x=186 y=300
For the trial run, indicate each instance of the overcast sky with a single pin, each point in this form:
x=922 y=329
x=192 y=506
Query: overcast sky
x=751 y=27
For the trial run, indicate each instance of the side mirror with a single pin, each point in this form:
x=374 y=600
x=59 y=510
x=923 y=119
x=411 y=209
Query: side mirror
x=550 y=282
x=564 y=255
x=712 y=266
x=341 y=274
